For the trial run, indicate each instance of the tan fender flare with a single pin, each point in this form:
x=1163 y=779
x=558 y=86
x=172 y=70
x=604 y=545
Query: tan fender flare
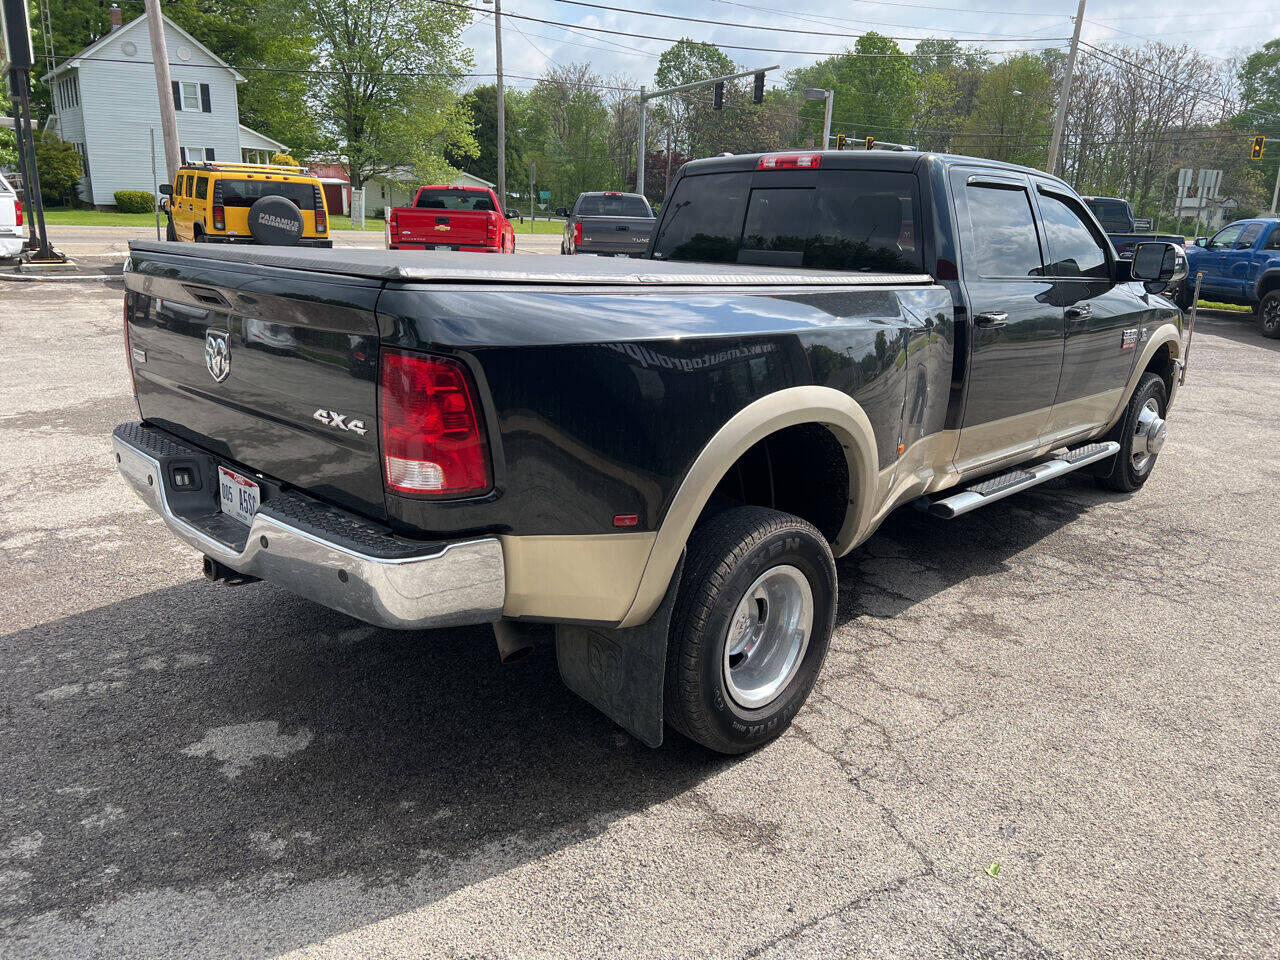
x=785 y=408
x=1166 y=333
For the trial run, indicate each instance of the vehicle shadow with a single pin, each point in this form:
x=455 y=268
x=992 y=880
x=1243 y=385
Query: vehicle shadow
x=1234 y=326
x=206 y=739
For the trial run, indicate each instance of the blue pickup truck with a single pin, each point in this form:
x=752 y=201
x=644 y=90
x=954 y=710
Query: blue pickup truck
x=1239 y=264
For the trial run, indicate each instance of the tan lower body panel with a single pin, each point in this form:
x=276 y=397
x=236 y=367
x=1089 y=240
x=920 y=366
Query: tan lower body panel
x=591 y=577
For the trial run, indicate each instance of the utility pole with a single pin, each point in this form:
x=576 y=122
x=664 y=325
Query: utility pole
x=164 y=87
x=532 y=170
x=640 y=157
x=1064 y=94
x=1275 y=194
x=502 y=106
x=813 y=93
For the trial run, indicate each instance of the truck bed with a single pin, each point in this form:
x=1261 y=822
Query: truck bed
x=460 y=268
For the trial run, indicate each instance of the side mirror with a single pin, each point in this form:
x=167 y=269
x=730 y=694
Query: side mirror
x=512 y=214
x=562 y=211
x=1158 y=264
x=166 y=189
x=1202 y=241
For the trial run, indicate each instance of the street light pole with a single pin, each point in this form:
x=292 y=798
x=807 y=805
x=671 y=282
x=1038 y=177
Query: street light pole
x=1064 y=94
x=815 y=93
x=641 y=146
x=164 y=87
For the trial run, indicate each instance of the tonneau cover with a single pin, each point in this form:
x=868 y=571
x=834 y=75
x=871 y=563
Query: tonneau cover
x=416 y=266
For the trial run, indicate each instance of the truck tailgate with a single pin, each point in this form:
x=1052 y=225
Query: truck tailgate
x=452 y=228
x=629 y=235
x=277 y=376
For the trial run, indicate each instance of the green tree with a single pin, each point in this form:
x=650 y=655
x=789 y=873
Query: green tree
x=1259 y=78
x=565 y=125
x=389 y=95
x=482 y=104
x=59 y=167
x=1013 y=115
x=689 y=123
x=875 y=90
x=8 y=148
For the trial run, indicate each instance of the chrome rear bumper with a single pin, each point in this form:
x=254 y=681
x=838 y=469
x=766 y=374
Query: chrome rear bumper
x=354 y=567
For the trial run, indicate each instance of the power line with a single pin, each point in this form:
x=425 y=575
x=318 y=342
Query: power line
x=726 y=46
x=998 y=37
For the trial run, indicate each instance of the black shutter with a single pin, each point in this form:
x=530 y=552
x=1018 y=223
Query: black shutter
x=205 y=105
x=208 y=154
x=182 y=154
x=177 y=96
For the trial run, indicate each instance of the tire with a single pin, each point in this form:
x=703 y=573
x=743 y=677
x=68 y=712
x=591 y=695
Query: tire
x=1269 y=315
x=1131 y=467
x=780 y=561
x=169 y=232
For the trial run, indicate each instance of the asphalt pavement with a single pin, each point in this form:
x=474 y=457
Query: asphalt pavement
x=1050 y=728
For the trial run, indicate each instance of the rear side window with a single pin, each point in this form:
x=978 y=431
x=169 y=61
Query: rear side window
x=1001 y=240
x=1273 y=241
x=454 y=200
x=243 y=193
x=1249 y=237
x=603 y=205
x=202 y=187
x=1073 y=249
x=1112 y=214
x=851 y=220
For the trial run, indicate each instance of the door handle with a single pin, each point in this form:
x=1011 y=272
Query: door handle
x=1079 y=313
x=993 y=318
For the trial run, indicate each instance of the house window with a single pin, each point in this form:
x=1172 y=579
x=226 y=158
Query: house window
x=190 y=96
x=197 y=154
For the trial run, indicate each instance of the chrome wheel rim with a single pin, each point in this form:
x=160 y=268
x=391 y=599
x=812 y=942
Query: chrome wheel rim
x=768 y=636
x=1148 y=435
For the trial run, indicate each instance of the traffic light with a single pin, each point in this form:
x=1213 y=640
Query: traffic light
x=871 y=143
x=757 y=94
x=1259 y=144
x=842 y=142
x=717 y=96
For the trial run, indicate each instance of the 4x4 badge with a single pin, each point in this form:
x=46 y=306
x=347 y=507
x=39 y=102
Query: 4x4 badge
x=217 y=354
x=331 y=418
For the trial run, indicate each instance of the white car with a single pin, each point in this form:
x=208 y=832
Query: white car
x=12 y=233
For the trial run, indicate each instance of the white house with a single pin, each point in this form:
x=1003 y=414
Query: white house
x=105 y=104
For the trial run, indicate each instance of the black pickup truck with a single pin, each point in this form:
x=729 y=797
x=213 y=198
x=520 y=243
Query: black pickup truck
x=664 y=457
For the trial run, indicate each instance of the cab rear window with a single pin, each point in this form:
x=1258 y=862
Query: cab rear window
x=603 y=205
x=852 y=220
x=243 y=193
x=454 y=200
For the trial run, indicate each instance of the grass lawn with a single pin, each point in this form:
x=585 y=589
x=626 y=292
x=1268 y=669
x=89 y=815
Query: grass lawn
x=555 y=227
x=68 y=217
x=1233 y=307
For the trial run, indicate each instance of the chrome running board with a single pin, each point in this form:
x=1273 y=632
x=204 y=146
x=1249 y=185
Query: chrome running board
x=1020 y=478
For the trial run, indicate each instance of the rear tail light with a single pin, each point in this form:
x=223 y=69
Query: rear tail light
x=322 y=220
x=219 y=212
x=17 y=210
x=577 y=233
x=491 y=230
x=393 y=228
x=789 y=161
x=433 y=441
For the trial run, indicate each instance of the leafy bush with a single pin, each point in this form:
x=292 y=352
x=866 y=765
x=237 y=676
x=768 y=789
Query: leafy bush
x=284 y=160
x=135 y=201
x=59 y=166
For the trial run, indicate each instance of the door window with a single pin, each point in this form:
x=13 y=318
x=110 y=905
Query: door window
x=1273 y=241
x=1074 y=251
x=1249 y=236
x=1227 y=236
x=202 y=187
x=1001 y=240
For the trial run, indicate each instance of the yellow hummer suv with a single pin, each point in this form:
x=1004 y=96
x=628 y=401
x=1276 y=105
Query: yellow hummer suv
x=246 y=203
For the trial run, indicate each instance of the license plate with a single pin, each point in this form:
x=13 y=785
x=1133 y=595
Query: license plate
x=238 y=495
x=442 y=246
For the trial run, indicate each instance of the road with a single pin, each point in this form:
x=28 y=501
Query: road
x=99 y=241
x=1081 y=688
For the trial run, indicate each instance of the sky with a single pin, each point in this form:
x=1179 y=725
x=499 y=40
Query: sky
x=1216 y=29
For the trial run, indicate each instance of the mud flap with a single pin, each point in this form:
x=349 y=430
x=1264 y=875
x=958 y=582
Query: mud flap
x=621 y=672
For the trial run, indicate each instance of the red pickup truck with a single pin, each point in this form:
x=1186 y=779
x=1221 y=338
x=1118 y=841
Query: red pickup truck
x=451 y=218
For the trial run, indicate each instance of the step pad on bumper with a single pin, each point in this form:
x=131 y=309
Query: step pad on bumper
x=1020 y=478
